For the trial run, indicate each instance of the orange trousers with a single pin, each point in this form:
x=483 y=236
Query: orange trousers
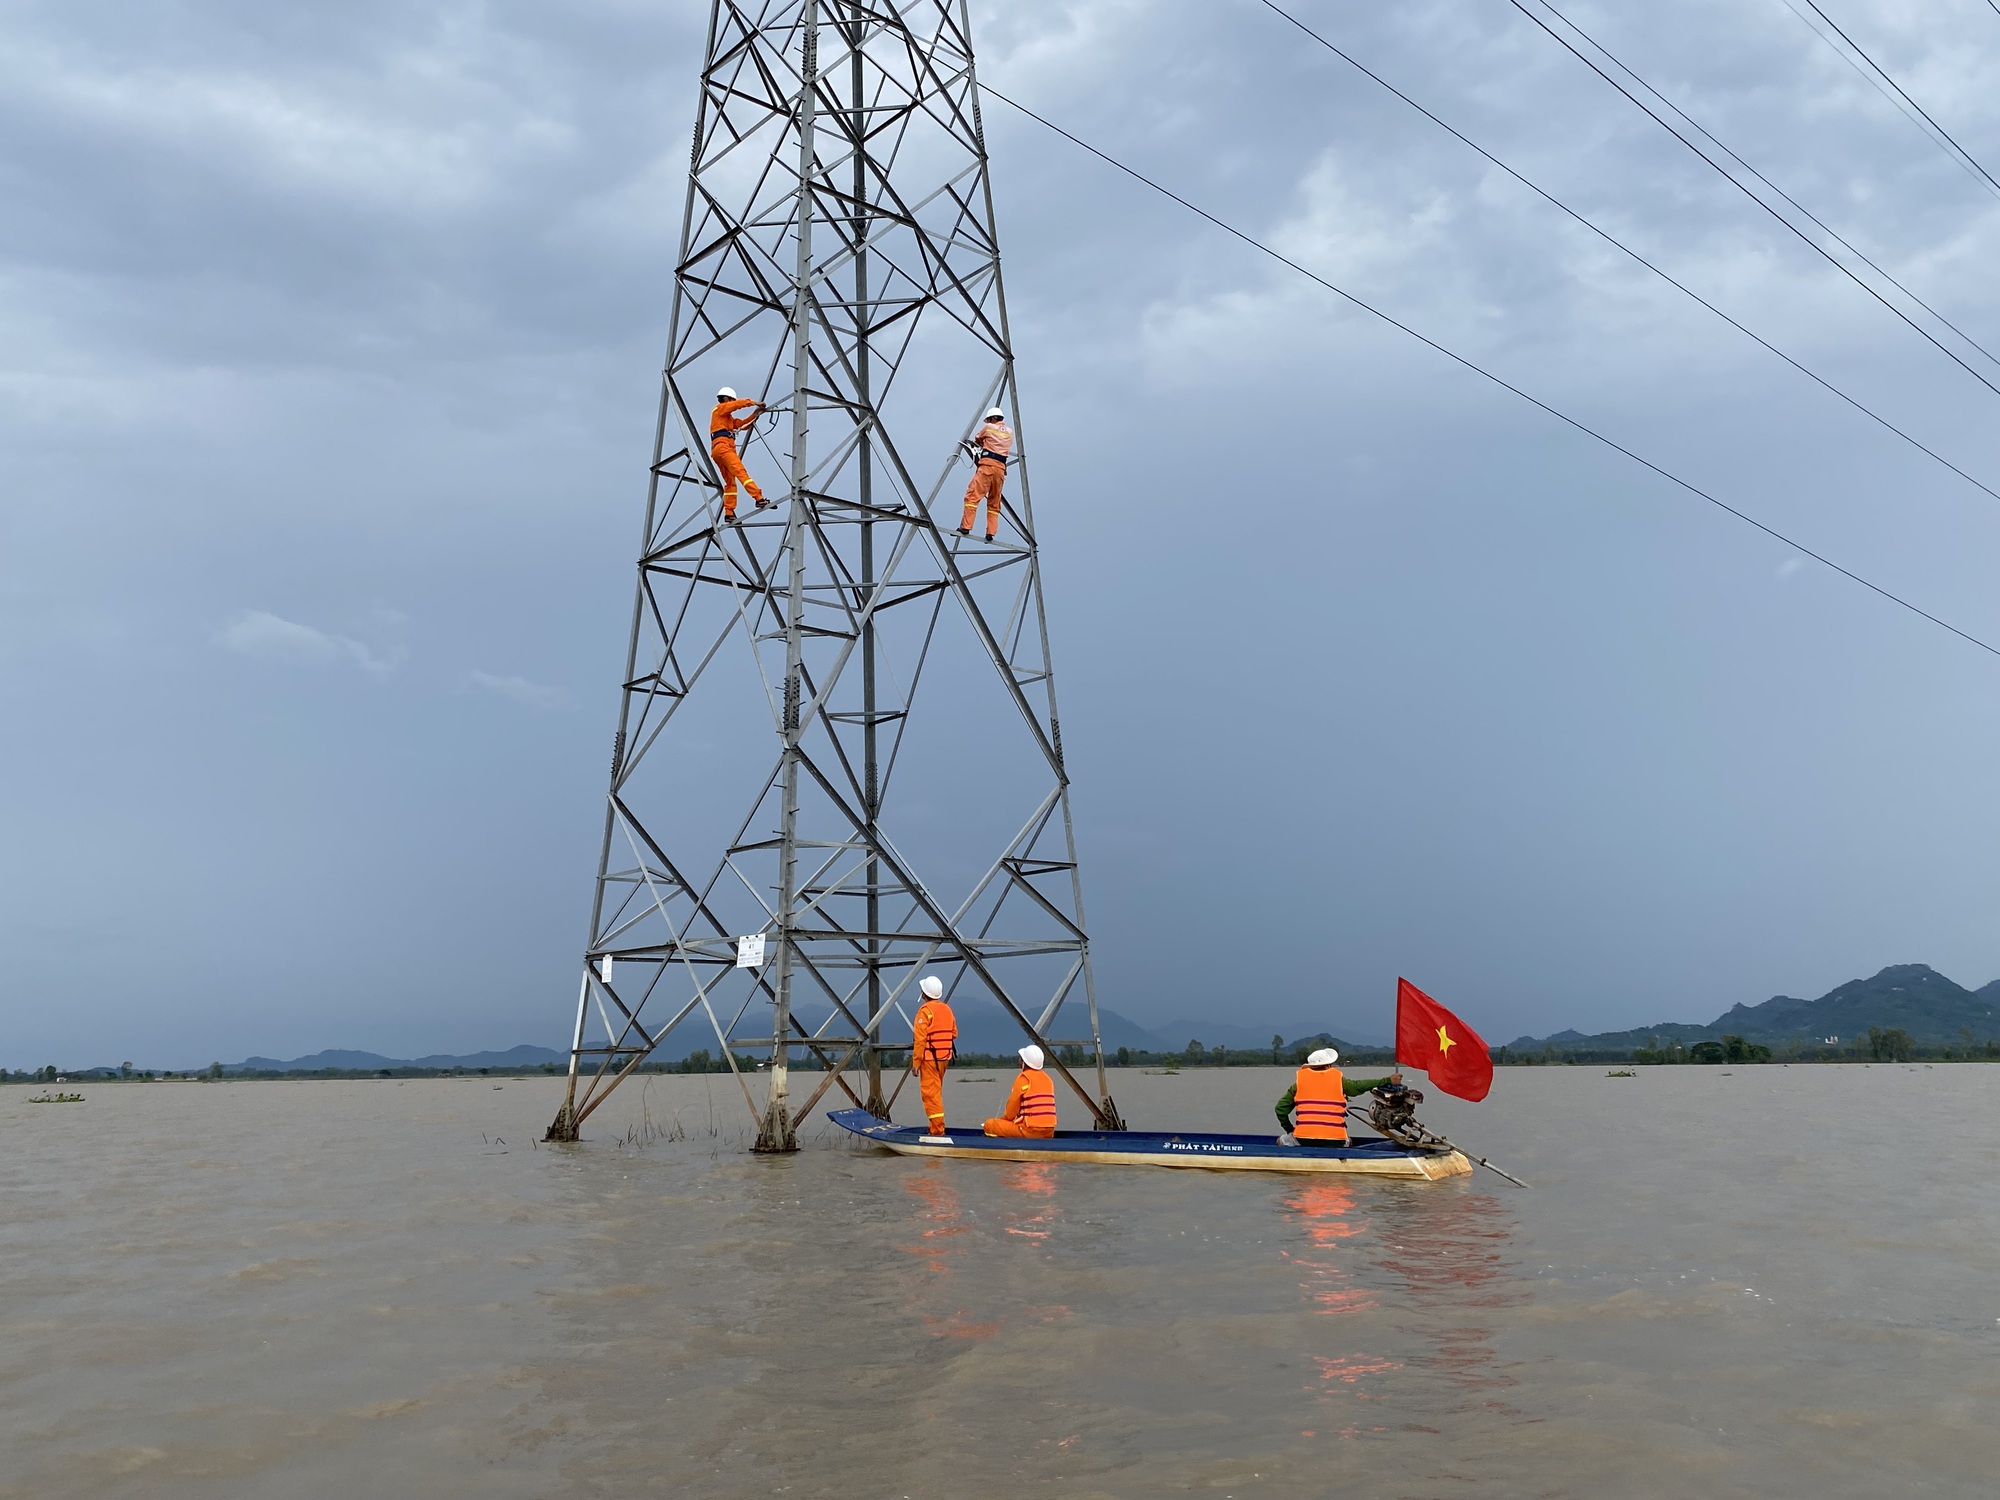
x=1017 y=1131
x=723 y=451
x=987 y=477
x=930 y=1083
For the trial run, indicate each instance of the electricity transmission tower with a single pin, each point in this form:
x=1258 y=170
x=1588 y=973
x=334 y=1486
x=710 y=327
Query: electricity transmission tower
x=838 y=730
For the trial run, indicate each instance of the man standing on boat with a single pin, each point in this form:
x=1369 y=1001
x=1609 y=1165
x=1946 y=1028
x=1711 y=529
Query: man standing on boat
x=932 y=1046
x=1314 y=1109
x=1031 y=1104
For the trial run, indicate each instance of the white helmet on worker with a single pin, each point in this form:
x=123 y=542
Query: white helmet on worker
x=1326 y=1057
x=932 y=986
x=727 y=393
x=996 y=415
x=1031 y=1055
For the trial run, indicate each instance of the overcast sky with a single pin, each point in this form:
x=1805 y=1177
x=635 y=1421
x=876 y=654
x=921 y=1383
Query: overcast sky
x=329 y=338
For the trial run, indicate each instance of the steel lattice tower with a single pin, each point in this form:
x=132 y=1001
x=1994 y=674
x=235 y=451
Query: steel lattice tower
x=838 y=260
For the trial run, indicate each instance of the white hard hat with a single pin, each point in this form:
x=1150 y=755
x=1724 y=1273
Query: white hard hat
x=932 y=986
x=1326 y=1057
x=996 y=415
x=1031 y=1055
x=725 y=394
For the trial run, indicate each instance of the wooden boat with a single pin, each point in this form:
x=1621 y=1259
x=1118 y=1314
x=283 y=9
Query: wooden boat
x=1152 y=1148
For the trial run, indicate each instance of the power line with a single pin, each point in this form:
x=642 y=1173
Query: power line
x=1903 y=106
x=1797 y=207
x=1949 y=145
x=1618 y=244
x=1504 y=384
x=1803 y=212
x=1666 y=125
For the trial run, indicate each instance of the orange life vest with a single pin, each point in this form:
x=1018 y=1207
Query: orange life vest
x=1319 y=1105
x=935 y=1032
x=1038 y=1098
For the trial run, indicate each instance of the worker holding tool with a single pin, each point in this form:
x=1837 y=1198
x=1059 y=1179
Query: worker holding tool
x=932 y=1045
x=989 y=448
x=723 y=425
x=1031 y=1104
x=1313 y=1111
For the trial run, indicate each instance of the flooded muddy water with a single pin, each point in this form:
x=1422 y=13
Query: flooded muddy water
x=1762 y=1282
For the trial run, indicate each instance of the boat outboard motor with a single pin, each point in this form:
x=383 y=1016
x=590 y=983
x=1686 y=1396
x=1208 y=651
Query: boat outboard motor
x=1393 y=1111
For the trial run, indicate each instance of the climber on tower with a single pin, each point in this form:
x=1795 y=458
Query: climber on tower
x=989 y=448
x=723 y=425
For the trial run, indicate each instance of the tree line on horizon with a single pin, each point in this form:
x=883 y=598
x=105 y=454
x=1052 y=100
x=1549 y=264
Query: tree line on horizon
x=1877 y=1044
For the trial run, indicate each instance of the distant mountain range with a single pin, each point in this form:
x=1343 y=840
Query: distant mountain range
x=513 y=1057
x=1176 y=1035
x=1934 y=1010
x=1915 y=997
x=982 y=1027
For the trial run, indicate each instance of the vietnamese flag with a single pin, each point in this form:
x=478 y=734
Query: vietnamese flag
x=1430 y=1037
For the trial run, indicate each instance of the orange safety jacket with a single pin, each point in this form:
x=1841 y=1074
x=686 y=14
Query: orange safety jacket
x=993 y=443
x=722 y=423
x=1319 y=1105
x=1033 y=1101
x=935 y=1031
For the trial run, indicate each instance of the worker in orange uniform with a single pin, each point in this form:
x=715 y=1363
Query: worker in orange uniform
x=723 y=425
x=1031 y=1104
x=934 y=1042
x=989 y=448
x=1314 y=1109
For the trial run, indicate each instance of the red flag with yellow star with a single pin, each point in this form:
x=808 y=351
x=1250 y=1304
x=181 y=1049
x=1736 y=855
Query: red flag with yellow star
x=1430 y=1037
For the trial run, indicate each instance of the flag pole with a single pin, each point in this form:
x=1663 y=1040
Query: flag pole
x=1430 y=1060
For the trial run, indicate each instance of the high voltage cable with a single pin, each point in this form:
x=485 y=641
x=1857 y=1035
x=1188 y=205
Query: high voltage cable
x=1664 y=124
x=1805 y=213
x=1618 y=244
x=1887 y=87
x=1950 y=146
x=1480 y=370
x=1723 y=147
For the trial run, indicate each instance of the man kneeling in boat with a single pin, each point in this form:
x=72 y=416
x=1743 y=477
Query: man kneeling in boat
x=1314 y=1109
x=1031 y=1103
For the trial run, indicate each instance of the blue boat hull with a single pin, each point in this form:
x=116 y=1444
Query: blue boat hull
x=1151 y=1148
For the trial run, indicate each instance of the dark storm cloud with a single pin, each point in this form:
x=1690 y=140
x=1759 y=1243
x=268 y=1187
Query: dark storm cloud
x=327 y=351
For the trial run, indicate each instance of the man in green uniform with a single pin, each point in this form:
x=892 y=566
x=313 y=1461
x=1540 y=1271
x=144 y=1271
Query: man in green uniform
x=1329 y=1124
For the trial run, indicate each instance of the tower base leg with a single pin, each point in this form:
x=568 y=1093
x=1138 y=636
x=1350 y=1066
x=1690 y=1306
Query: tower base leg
x=876 y=1105
x=564 y=1127
x=776 y=1133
